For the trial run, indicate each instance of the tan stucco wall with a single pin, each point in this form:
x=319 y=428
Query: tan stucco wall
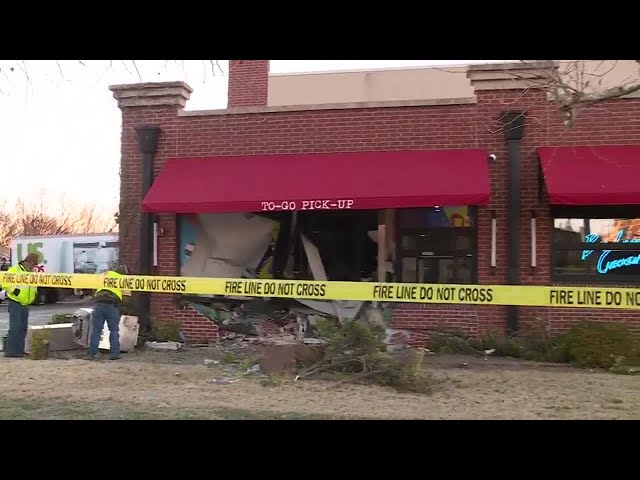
x=406 y=84
x=368 y=86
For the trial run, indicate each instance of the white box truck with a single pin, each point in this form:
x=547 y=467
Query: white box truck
x=85 y=253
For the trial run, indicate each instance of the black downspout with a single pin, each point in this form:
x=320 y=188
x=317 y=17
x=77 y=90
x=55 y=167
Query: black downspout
x=148 y=144
x=513 y=126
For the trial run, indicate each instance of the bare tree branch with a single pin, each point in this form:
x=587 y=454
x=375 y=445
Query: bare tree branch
x=137 y=71
x=60 y=69
x=125 y=66
x=36 y=219
x=224 y=77
x=23 y=67
x=613 y=92
x=574 y=85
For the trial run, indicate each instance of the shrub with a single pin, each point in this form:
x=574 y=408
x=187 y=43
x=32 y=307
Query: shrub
x=356 y=351
x=503 y=345
x=444 y=340
x=39 y=345
x=593 y=344
x=61 y=318
x=228 y=358
x=539 y=345
x=457 y=343
x=167 y=331
x=248 y=362
x=588 y=344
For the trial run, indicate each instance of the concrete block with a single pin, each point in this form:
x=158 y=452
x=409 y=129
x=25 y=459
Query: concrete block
x=60 y=337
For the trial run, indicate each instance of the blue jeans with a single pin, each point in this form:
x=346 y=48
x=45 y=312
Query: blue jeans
x=18 y=324
x=111 y=314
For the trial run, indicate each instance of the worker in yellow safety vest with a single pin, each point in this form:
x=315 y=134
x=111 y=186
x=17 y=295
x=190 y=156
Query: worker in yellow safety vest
x=20 y=297
x=107 y=308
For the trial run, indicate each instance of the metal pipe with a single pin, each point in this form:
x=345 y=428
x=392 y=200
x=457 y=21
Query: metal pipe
x=155 y=244
x=493 y=238
x=534 y=244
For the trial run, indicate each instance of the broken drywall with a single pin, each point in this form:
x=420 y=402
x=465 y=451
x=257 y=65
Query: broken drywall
x=127 y=329
x=228 y=245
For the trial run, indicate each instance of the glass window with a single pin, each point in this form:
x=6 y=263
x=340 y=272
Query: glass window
x=599 y=249
x=437 y=245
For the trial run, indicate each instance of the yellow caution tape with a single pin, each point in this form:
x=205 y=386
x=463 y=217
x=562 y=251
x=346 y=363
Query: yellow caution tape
x=543 y=296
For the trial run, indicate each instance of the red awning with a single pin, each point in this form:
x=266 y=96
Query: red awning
x=364 y=180
x=592 y=175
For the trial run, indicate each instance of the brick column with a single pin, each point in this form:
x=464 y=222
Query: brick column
x=500 y=88
x=153 y=105
x=508 y=76
x=143 y=104
x=248 y=83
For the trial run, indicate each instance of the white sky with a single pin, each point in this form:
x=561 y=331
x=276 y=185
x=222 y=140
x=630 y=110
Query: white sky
x=60 y=126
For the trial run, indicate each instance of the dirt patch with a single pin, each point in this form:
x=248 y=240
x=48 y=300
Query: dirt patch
x=177 y=383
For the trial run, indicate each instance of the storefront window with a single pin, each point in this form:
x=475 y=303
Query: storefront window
x=346 y=250
x=596 y=248
x=336 y=245
x=437 y=245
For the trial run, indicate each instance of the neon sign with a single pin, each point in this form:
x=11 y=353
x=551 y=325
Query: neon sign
x=603 y=266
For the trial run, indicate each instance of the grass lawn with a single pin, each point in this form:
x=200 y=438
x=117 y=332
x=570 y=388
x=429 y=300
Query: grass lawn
x=18 y=409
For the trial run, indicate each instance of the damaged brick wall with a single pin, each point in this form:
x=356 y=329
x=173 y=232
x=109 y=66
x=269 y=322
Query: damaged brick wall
x=395 y=128
x=195 y=327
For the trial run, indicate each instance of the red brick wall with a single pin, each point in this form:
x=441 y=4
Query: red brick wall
x=131 y=170
x=612 y=122
x=196 y=328
x=398 y=128
x=163 y=307
x=248 y=82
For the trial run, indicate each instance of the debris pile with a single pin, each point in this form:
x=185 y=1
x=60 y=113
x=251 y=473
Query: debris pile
x=246 y=246
x=163 y=345
x=268 y=322
x=356 y=352
x=316 y=347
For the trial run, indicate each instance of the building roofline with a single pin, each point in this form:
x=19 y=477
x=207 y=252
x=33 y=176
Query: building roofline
x=330 y=106
x=462 y=66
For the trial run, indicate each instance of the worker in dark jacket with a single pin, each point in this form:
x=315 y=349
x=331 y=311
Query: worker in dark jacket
x=107 y=308
x=20 y=297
